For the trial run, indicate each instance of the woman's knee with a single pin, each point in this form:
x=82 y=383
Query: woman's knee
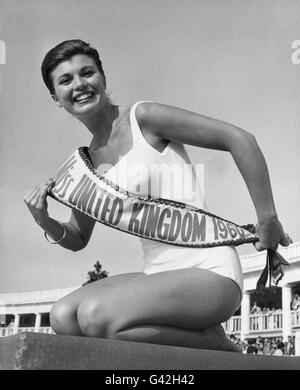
x=230 y=302
x=97 y=319
x=63 y=317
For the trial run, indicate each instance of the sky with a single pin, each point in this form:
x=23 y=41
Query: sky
x=231 y=60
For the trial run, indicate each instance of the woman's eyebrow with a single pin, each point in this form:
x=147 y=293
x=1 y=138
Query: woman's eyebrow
x=63 y=75
x=86 y=67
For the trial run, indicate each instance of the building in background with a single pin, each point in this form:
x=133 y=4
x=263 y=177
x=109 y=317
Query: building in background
x=276 y=314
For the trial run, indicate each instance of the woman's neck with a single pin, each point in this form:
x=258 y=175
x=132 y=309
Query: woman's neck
x=100 y=124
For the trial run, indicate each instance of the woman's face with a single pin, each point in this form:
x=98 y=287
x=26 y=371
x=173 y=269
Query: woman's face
x=79 y=86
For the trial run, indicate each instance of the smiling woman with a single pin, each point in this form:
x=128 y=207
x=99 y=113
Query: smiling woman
x=78 y=85
x=64 y=52
x=184 y=294
x=75 y=78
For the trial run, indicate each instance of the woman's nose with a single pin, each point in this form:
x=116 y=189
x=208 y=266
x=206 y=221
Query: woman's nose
x=78 y=82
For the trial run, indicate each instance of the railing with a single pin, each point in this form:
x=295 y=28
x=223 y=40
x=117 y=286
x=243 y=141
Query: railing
x=10 y=331
x=233 y=325
x=257 y=323
x=295 y=318
x=265 y=322
x=46 y=329
x=5 y=332
x=21 y=330
x=260 y=322
x=256 y=261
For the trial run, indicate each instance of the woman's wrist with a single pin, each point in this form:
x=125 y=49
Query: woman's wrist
x=42 y=220
x=60 y=238
x=53 y=229
x=267 y=218
x=266 y=214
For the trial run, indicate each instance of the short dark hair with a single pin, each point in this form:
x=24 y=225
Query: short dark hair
x=63 y=52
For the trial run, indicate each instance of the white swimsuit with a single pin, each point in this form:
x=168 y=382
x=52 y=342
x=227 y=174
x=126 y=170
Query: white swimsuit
x=138 y=172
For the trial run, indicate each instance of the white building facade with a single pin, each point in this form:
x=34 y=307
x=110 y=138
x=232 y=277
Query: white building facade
x=29 y=311
x=283 y=321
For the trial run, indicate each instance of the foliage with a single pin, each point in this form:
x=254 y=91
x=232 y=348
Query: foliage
x=97 y=274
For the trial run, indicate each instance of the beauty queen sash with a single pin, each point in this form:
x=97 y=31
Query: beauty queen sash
x=80 y=186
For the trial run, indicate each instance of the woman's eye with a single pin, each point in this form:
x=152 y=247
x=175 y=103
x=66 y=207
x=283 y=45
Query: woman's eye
x=64 y=81
x=88 y=73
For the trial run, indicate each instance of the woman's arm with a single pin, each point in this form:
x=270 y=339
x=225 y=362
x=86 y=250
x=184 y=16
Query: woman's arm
x=171 y=123
x=78 y=229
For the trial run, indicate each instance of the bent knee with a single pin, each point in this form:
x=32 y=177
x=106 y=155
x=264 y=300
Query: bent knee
x=97 y=319
x=63 y=317
x=231 y=301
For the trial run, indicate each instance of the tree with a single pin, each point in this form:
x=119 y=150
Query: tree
x=97 y=274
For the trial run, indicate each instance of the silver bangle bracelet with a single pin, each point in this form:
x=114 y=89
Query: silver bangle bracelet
x=61 y=238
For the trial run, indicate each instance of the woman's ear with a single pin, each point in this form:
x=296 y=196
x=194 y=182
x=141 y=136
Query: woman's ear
x=56 y=101
x=104 y=81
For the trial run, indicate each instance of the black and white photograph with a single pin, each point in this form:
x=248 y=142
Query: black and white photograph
x=150 y=188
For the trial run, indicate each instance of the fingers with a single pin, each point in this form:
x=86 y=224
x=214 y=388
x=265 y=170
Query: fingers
x=36 y=197
x=259 y=246
x=33 y=196
x=271 y=234
x=48 y=183
x=286 y=240
x=51 y=184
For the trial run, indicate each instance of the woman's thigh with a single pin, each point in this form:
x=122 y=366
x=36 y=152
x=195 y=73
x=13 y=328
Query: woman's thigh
x=63 y=314
x=75 y=298
x=189 y=298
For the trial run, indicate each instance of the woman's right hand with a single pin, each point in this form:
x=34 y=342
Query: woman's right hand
x=36 y=201
x=271 y=234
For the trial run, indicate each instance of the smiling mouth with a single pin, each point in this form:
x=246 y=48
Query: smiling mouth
x=83 y=97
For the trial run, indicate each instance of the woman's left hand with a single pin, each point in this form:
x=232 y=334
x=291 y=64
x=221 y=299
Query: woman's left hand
x=271 y=234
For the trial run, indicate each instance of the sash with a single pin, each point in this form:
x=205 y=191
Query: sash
x=80 y=186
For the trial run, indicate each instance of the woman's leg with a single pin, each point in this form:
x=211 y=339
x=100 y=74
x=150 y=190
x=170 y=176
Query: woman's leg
x=212 y=338
x=182 y=307
x=63 y=315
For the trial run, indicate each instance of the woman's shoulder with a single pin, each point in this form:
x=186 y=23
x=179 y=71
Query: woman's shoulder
x=140 y=110
x=148 y=110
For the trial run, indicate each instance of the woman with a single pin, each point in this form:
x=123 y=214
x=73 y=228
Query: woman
x=184 y=294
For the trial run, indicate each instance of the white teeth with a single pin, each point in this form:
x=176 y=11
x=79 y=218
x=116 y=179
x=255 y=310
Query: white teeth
x=83 y=96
